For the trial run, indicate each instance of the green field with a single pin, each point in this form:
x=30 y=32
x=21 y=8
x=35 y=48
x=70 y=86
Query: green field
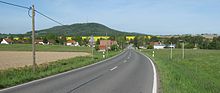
x=199 y=72
x=55 y=48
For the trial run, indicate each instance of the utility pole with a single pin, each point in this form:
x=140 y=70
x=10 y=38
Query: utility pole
x=107 y=43
x=33 y=38
x=183 y=55
x=171 y=51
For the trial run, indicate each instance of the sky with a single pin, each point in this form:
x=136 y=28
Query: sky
x=155 y=17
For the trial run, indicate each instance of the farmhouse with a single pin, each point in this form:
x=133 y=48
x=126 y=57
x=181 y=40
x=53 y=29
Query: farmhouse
x=157 y=45
x=6 y=41
x=72 y=43
x=106 y=44
x=171 y=46
x=39 y=42
x=162 y=46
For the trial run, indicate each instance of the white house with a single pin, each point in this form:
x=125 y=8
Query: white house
x=171 y=46
x=39 y=42
x=162 y=46
x=72 y=43
x=6 y=41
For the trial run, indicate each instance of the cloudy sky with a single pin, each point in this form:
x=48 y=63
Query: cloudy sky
x=157 y=17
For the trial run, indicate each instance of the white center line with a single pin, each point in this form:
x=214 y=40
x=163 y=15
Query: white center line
x=114 y=68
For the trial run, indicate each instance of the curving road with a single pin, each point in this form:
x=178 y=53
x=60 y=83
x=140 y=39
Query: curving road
x=129 y=72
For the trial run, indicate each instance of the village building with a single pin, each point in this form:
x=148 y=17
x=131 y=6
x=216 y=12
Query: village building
x=157 y=45
x=72 y=43
x=6 y=41
x=39 y=41
x=106 y=44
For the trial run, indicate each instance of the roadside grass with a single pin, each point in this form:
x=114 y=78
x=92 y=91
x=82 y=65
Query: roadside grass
x=54 y=48
x=15 y=76
x=199 y=72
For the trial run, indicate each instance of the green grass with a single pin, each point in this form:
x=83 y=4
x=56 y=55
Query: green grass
x=55 y=48
x=199 y=72
x=11 y=77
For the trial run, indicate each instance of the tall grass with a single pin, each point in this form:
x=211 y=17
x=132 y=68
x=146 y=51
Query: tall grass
x=11 y=77
x=199 y=72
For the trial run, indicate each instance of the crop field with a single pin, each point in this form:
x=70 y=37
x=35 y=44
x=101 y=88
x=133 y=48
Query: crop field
x=198 y=72
x=13 y=59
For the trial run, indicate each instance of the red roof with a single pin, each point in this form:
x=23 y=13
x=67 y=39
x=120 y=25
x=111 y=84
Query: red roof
x=107 y=42
x=102 y=47
x=155 y=43
x=71 y=41
x=38 y=40
x=8 y=40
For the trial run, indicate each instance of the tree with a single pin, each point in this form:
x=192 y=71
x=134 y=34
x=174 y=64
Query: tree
x=97 y=42
x=45 y=40
x=154 y=39
x=114 y=47
x=51 y=36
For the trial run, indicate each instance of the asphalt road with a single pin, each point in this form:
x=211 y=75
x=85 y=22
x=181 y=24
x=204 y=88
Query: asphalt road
x=129 y=72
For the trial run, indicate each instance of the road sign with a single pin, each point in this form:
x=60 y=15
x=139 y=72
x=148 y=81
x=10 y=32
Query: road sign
x=91 y=40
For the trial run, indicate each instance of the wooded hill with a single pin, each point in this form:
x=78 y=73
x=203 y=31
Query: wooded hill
x=83 y=29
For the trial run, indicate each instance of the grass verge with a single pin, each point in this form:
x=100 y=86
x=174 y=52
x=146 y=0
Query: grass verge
x=12 y=77
x=199 y=72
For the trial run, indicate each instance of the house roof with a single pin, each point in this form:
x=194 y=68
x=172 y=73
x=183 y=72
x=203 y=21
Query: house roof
x=155 y=43
x=107 y=42
x=102 y=47
x=38 y=40
x=8 y=40
x=71 y=41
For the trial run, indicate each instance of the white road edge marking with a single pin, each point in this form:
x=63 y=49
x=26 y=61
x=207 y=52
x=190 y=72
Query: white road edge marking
x=114 y=68
x=59 y=74
x=154 y=90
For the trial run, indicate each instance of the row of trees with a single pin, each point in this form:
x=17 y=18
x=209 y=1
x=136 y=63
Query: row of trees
x=196 y=42
x=190 y=41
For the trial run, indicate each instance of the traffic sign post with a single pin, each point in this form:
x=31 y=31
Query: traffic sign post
x=91 y=40
x=153 y=54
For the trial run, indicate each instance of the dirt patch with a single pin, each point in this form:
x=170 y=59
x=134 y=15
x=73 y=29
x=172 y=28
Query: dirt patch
x=10 y=59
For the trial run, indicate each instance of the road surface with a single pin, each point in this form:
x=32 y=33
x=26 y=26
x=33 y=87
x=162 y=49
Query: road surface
x=129 y=72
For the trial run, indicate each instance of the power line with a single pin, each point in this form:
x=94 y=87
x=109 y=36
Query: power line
x=15 y=5
x=29 y=8
x=49 y=17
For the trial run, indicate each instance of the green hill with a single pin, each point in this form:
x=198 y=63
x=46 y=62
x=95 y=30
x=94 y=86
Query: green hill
x=83 y=29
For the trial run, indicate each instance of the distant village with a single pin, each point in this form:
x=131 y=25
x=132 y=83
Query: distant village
x=104 y=43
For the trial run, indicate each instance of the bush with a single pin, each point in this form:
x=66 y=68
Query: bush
x=114 y=47
x=150 y=47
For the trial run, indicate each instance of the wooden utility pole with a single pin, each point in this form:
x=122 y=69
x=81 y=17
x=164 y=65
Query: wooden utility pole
x=171 y=51
x=33 y=38
x=107 y=44
x=183 y=55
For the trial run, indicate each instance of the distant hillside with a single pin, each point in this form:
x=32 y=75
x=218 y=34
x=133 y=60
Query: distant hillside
x=83 y=29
